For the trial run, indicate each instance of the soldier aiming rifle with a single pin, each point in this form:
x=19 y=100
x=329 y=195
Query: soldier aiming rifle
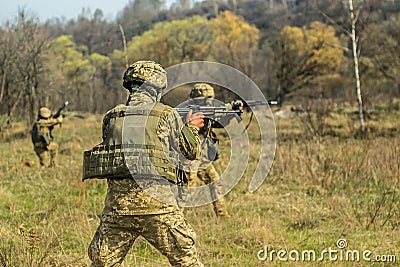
x=218 y=115
x=42 y=136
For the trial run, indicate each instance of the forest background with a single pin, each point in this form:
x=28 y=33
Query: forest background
x=295 y=51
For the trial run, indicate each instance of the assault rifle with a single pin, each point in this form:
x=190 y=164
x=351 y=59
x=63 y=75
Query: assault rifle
x=208 y=111
x=220 y=111
x=58 y=113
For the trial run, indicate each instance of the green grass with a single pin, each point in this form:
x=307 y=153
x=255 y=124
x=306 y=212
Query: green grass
x=320 y=189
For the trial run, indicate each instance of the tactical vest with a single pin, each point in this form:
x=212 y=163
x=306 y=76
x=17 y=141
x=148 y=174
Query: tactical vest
x=41 y=134
x=131 y=146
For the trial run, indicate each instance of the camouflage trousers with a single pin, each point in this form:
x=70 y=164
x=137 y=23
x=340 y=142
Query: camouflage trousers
x=170 y=233
x=207 y=176
x=41 y=151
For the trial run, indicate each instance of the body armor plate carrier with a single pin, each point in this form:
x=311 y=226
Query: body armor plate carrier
x=131 y=147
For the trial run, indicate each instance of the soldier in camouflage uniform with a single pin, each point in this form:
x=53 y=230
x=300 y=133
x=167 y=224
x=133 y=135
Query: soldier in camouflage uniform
x=42 y=137
x=201 y=94
x=129 y=211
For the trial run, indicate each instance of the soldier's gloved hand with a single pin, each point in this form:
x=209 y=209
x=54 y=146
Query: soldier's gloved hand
x=195 y=118
x=237 y=105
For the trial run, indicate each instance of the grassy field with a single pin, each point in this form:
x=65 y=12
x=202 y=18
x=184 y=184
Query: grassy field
x=325 y=185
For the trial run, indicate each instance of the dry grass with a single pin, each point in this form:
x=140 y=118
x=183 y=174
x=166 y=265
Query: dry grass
x=320 y=189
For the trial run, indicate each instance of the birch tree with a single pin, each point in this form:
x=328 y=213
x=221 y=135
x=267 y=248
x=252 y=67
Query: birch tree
x=353 y=36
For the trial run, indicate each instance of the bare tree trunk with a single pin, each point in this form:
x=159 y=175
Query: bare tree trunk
x=271 y=4
x=3 y=85
x=356 y=70
x=233 y=3
x=284 y=2
x=91 y=92
x=34 y=106
x=185 y=4
x=216 y=9
x=11 y=111
x=124 y=43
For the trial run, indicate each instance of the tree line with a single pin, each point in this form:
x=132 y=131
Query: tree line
x=291 y=49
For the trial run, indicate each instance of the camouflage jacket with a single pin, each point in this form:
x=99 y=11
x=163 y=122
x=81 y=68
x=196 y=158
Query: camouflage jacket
x=41 y=133
x=208 y=137
x=124 y=196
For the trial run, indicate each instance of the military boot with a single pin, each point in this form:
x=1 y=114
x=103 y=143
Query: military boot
x=220 y=208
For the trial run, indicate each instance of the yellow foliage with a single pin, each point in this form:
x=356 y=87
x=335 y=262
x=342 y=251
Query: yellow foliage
x=307 y=54
x=100 y=62
x=233 y=31
x=70 y=60
x=173 y=42
x=318 y=45
x=293 y=39
x=234 y=40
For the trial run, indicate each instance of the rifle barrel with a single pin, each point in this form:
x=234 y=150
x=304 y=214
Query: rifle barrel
x=58 y=113
x=260 y=103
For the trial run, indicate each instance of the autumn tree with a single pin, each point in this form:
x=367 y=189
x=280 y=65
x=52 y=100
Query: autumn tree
x=69 y=69
x=305 y=54
x=139 y=16
x=21 y=67
x=380 y=61
x=172 y=42
x=234 y=41
x=93 y=31
x=9 y=96
x=99 y=76
x=75 y=75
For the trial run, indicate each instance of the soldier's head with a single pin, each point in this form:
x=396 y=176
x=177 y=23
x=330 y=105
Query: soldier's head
x=146 y=76
x=202 y=90
x=44 y=112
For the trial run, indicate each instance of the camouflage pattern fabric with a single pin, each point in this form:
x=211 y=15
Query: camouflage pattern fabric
x=149 y=72
x=170 y=233
x=130 y=212
x=43 y=140
x=41 y=152
x=124 y=196
x=45 y=112
x=45 y=128
x=207 y=176
x=205 y=170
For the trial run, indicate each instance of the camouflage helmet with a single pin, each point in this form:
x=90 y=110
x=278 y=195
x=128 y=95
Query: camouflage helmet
x=145 y=71
x=202 y=90
x=44 y=112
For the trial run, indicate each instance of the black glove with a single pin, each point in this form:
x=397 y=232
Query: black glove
x=237 y=104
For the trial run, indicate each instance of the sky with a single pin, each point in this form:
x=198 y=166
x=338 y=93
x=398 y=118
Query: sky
x=46 y=9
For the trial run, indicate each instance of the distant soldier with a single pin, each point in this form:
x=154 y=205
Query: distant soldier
x=42 y=137
x=203 y=94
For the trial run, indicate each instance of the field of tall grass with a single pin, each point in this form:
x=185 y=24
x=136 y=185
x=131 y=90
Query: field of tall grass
x=327 y=188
